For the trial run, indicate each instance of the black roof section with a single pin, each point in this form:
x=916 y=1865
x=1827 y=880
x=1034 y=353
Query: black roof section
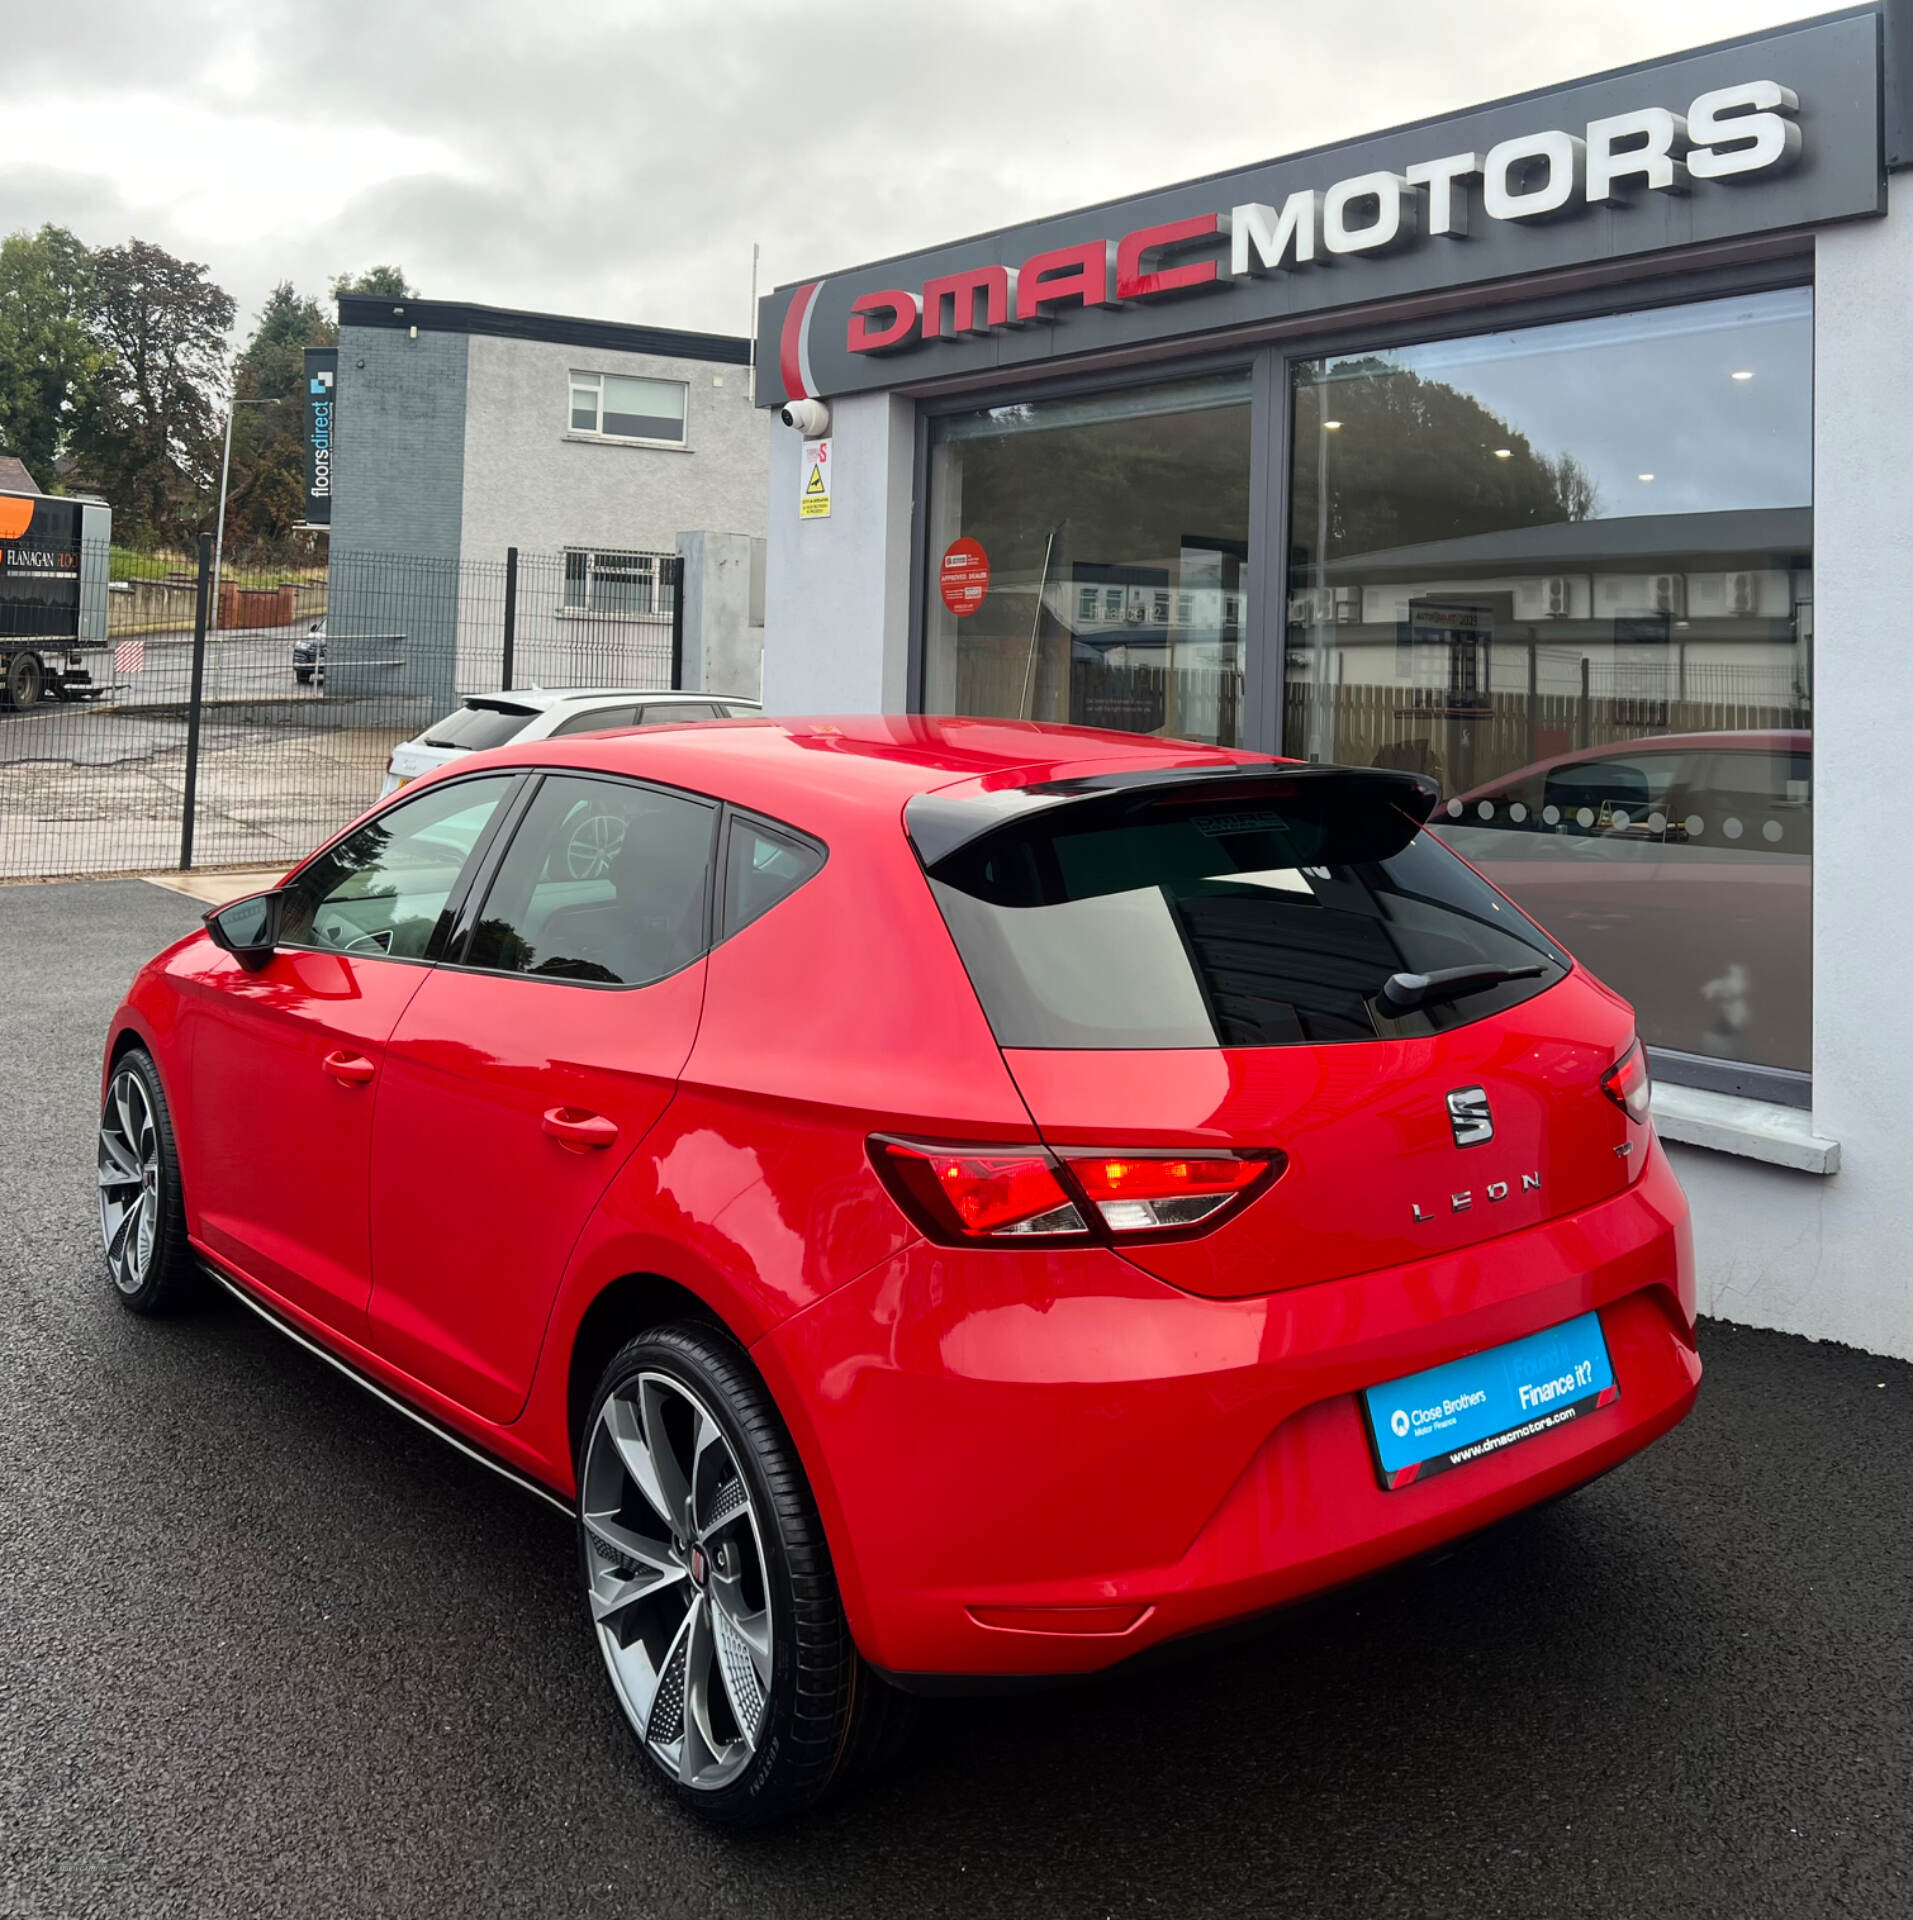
x=509 y=323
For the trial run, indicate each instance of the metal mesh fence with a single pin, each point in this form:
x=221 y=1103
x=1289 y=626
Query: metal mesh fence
x=308 y=678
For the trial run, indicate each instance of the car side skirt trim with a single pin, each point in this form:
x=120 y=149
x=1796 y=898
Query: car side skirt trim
x=436 y=1428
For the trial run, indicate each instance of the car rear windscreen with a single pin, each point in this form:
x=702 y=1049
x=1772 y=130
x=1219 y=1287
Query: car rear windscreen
x=1223 y=923
x=476 y=727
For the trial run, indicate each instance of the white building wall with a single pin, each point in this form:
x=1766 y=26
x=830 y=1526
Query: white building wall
x=837 y=594
x=532 y=484
x=1826 y=1256
x=1833 y=1257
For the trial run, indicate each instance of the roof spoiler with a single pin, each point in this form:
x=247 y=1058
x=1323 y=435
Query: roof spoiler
x=941 y=824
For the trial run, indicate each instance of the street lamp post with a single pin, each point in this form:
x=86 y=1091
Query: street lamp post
x=225 y=469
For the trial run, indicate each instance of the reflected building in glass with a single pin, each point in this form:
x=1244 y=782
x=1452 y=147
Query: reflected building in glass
x=1568 y=572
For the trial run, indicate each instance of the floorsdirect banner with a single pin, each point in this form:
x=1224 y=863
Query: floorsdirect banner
x=322 y=377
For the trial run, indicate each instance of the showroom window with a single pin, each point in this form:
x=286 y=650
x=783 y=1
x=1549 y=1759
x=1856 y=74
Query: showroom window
x=1088 y=560
x=1567 y=571
x=623 y=408
x=616 y=583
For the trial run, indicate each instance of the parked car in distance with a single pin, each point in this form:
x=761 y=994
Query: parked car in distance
x=935 y=1199
x=1680 y=868
x=308 y=654
x=526 y=714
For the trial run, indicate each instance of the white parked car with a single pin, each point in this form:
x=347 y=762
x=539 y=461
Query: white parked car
x=543 y=713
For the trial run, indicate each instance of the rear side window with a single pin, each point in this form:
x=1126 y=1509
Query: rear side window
x=1198 y=923
x=605 y=882
x=595 y=719
x=762 y=867
x=476 y=727
x=669 y=712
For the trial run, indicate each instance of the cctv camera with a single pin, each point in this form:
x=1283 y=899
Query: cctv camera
x=811 y=418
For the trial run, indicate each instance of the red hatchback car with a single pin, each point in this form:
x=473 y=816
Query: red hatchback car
x=932 y=1197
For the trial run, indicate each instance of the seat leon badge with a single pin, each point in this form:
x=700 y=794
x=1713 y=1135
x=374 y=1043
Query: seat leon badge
x=1468 y=1115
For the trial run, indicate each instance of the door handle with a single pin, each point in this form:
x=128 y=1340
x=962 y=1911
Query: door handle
x=578 y=1129
x=349 y=1069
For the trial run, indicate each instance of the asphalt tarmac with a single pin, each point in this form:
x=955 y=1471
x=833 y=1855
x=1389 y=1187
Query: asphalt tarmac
x=266 y=1648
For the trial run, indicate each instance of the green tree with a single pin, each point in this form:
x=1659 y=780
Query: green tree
x=382 y=283
x=48 y=356
x=265 y=497
x=1412 y=460
x=151 y=441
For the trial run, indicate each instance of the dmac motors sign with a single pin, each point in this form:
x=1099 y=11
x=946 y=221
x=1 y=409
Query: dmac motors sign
x=1777 y=132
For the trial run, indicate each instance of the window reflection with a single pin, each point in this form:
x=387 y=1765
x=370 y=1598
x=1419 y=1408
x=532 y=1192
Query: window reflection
x=1567 y=571
x=1114 y=534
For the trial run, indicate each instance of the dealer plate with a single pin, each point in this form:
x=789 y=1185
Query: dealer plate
x=1471 y=1408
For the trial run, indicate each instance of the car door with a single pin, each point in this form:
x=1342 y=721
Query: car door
x=527 y=1070
x=287 y=1060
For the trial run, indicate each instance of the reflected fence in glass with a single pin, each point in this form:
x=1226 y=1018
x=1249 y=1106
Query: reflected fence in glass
x=1567 y=571
x=1088 y=560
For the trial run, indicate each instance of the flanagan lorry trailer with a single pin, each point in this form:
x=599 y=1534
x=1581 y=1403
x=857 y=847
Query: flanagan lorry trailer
x=53 y=574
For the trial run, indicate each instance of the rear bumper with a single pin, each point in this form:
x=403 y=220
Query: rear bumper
x=1041 y=1464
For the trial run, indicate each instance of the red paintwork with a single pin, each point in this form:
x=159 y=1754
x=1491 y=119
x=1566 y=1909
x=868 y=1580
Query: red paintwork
x=1026 y=1461
x=1366 y=1135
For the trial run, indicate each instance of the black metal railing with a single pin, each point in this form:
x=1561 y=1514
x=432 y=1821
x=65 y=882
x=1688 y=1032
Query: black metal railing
x=159 y=725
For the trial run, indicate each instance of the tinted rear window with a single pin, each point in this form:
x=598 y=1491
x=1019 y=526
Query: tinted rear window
x=1233 y=924
x=476 y=728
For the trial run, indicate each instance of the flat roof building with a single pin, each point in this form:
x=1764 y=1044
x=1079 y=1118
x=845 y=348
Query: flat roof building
x=458 y=433
x=1561 y=448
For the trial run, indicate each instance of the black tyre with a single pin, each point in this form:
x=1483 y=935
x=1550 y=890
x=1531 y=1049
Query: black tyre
x=710 y=1588
x=303 y=675
x=26 y=681
x=142 y=1208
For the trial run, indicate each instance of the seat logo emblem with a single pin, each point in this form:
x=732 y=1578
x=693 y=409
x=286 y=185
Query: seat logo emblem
x=1468 y=1116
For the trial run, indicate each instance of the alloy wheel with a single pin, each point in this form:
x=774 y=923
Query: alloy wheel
x=129 y=1180
x=678 y=1584
x=593 y=845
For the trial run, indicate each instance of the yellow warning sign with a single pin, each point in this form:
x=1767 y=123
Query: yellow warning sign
x=814 y=502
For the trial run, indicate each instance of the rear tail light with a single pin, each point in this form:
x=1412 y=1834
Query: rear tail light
x=965 y=1196
x=1628 y=1084
x=1145 y=1192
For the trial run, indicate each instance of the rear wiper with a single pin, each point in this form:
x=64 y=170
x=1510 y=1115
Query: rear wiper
x=1404 y=992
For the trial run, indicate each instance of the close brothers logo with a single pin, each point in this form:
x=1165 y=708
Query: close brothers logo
x=1727 y=134
x=1398 y=1421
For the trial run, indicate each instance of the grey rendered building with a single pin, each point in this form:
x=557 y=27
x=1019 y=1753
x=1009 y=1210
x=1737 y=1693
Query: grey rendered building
x=463 y=431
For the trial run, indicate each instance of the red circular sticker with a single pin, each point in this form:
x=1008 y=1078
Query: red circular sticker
x=964 y=577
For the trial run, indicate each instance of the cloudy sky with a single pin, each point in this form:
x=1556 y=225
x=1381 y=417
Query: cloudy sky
x=619 y=157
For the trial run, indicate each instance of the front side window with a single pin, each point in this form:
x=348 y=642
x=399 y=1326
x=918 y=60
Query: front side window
x=1088 y=560
x=383 y=889
x=624 y=584
x=605 y=882
x=623 y=407
x=1568 y=572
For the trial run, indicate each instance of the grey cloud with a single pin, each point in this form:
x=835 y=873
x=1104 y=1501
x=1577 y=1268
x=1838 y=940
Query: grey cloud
x=623 y=159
